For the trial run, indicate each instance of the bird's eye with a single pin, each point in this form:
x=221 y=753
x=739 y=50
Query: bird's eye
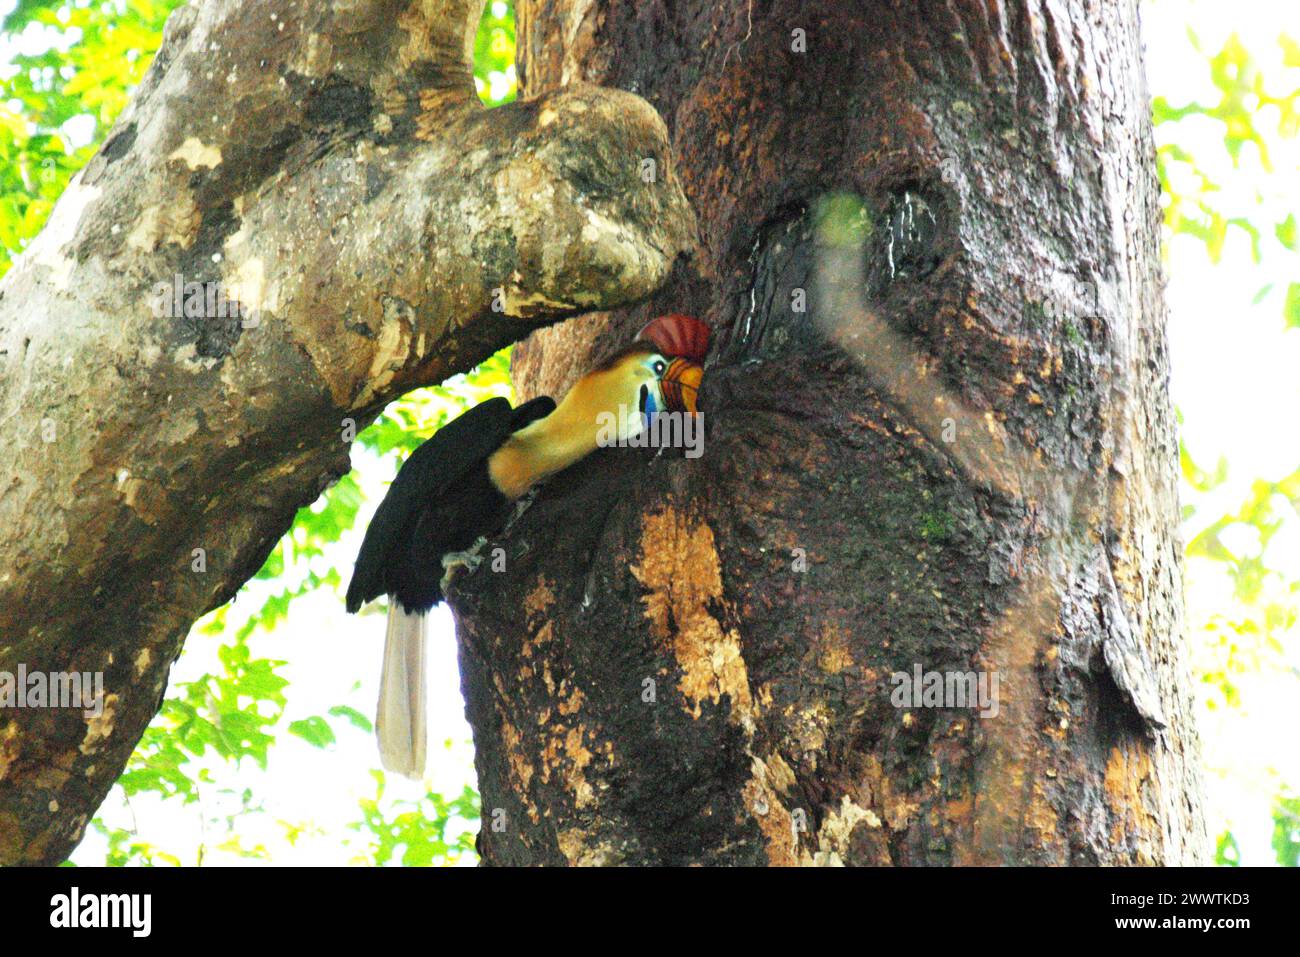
x=659 y=367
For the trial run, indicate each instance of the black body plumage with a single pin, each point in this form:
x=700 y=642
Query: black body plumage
x=441 y=501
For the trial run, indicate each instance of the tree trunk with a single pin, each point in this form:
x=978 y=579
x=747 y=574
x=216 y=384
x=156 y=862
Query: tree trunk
x=328 y=169
x=939 y=439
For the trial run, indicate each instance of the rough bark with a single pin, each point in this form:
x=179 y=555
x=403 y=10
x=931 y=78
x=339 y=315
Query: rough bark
x=967 y=433
x=330 y=167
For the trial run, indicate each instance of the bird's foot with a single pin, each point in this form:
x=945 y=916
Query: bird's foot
x=453 y=561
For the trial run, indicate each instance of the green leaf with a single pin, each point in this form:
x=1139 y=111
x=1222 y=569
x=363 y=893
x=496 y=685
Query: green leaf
x=1286 y=232
x=1286 y=830
x=1226 y=851
x=1291 y=311
x=314 y=730
x=354 y=716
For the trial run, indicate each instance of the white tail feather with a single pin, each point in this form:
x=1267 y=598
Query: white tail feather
x=400 y=721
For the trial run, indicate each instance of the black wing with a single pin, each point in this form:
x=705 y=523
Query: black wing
x=450 y=457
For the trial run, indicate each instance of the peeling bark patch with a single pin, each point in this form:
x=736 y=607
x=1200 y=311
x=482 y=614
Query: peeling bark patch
x=147 y=499
x=836 y=833
x=679 y=565
x=773 y=818
x=896 y=809
x=100 y=726
x=1006 y=768
x=195 y=155
x=8 y=749
x=572 y=704
x=53 y=777
x=176 y=223
x=833 y=650
x=392 y=347
x=520 y=771
x=531 y=647
x=574 y=845
x=539 y=599
x=567 y=756
x=1127 y=770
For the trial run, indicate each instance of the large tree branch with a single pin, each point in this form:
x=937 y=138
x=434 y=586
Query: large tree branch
x=328 y=168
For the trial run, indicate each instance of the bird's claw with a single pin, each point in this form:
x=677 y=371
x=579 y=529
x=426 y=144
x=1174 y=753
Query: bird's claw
x=469 y=559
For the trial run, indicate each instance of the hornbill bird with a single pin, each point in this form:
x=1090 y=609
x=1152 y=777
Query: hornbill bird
x=462 y=483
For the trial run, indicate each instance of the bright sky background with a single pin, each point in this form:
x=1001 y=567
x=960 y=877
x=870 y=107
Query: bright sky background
x=1236 y=379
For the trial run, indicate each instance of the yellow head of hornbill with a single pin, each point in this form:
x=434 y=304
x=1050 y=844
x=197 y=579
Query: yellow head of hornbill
x=461 y=484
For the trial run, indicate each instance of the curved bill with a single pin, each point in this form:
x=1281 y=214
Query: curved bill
x=681 y=385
